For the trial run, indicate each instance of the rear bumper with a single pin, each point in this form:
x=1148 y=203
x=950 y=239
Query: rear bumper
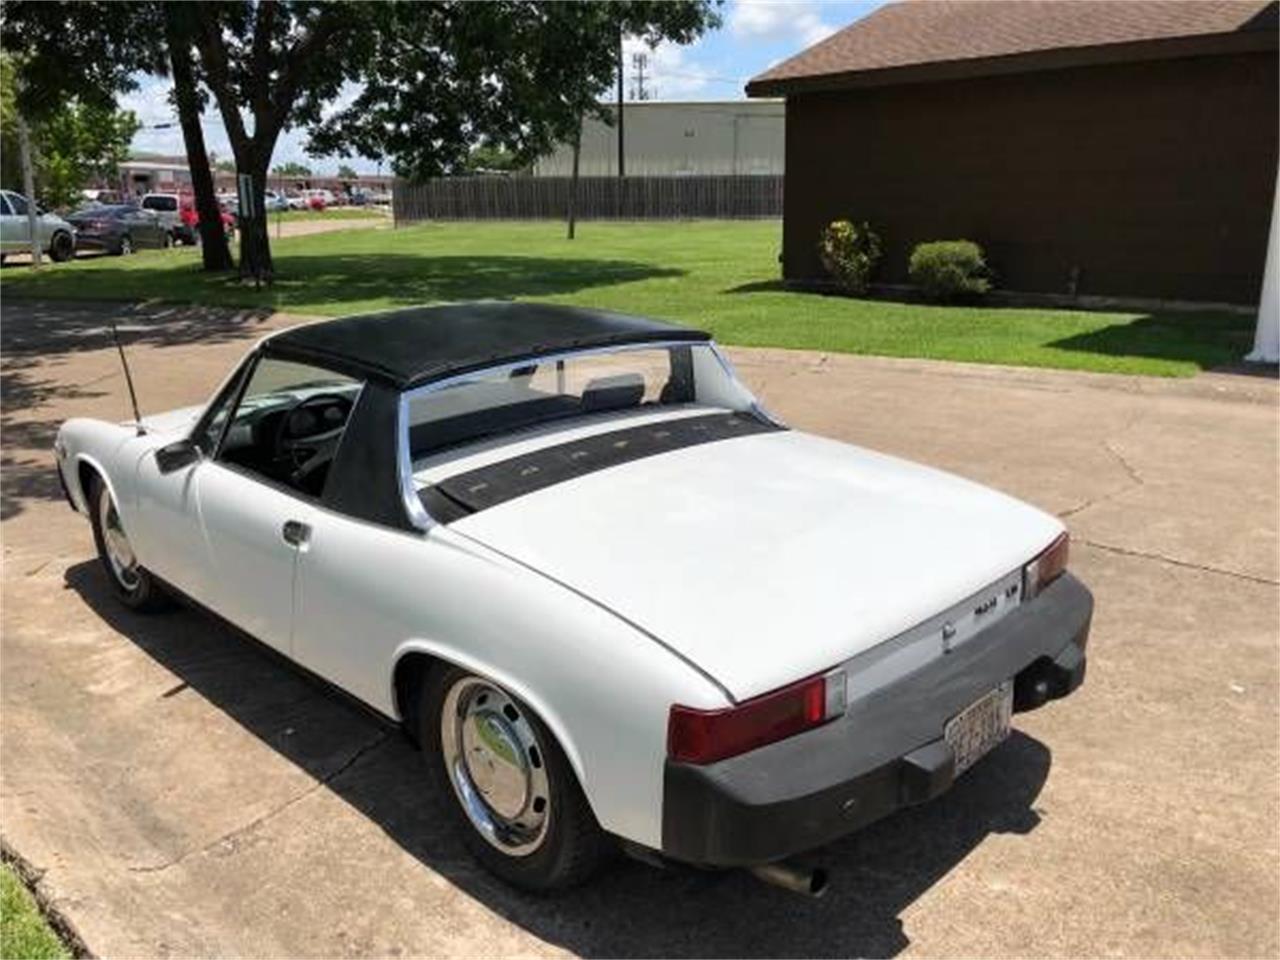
x=887 y=752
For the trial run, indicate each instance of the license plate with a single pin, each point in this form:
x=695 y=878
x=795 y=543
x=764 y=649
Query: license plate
x=979 y=727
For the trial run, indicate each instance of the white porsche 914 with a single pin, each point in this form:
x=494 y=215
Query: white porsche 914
x=613 y=600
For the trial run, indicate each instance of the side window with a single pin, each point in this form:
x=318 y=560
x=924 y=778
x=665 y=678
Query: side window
x=18 y=204
x=4 y=205
x=209 y=429
x=289 y=422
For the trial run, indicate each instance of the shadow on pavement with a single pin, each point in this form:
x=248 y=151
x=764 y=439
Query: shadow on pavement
x=632 y=910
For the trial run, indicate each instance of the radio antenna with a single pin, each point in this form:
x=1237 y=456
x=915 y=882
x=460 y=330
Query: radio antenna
x=128 y=378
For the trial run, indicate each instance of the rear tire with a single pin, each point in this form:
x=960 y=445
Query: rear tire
x=132 y=583
x=525 y=818
x=61 y=247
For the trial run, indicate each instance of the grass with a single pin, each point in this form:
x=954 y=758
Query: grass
x=331 y=213
x=720 y=276
x=24 y=934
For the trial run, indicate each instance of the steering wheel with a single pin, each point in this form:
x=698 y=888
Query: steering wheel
x=308 y=434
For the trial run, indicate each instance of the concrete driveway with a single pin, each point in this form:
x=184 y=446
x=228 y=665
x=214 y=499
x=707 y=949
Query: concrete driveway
x=183 y=793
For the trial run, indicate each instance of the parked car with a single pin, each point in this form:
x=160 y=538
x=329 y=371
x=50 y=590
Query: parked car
x=274 y=201
x=296 y=201
x=325 y=196
x=606 y=593
x=57 y=236
x=102 y=196
x=168 y=207
x=120 y=229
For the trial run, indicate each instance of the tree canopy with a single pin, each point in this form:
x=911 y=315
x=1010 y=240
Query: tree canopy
x=419 y=83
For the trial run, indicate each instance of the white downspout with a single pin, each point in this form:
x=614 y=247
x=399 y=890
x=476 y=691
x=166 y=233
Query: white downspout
x=1266 y=339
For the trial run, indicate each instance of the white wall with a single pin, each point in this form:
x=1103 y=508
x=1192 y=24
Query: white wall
x=678 y=138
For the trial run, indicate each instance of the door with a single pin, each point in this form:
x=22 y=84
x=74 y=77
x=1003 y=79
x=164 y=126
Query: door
x=256 y=498
x=15 y=227
x=253 y=533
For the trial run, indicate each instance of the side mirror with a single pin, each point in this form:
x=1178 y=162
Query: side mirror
x=175 y=456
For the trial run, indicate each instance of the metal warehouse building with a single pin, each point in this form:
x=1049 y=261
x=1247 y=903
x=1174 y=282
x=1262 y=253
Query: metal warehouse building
x=679 y=138
x=1092 y=147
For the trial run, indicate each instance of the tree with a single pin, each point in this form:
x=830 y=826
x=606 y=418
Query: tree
x=486 y=158
x=80 y=142
x=518 y=75
x=90 y=52
x=347 y=172
x=291 y=169
x=436 y=78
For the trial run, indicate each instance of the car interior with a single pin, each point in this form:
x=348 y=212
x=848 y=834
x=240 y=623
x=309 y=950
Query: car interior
x=290 y=439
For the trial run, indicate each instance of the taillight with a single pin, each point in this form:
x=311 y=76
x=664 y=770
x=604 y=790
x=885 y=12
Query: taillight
x=1045 y=568
x=704 y=736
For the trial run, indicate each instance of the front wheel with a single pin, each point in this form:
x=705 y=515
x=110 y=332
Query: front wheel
x=506 y=784
x=61 y=247
x=132 y=583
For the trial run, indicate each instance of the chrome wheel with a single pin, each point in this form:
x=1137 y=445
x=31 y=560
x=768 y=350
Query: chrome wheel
x=496 y=766
x=124 y=565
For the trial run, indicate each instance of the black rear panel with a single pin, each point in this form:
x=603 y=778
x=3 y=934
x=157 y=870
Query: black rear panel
x=488 y=486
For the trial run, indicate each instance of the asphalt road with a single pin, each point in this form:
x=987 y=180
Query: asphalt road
x=184 y=793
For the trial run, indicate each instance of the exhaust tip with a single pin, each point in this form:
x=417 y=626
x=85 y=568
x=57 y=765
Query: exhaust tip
x=806 y=881
x=817 y=882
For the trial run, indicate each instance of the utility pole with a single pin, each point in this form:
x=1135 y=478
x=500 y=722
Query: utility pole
x=29 y=187
x=573 y=183
x=640 y=61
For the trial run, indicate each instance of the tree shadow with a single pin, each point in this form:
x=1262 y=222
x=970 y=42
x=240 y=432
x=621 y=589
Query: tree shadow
x=302 y=281
x=46 y=329
x=1212 y=341
x=633 y=910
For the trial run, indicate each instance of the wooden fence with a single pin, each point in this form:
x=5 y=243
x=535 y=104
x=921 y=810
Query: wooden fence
x=599 y=198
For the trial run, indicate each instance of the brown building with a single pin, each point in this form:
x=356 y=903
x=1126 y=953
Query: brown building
x=1096 y=147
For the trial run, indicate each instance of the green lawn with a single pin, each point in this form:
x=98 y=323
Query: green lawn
x=331 y=213
x=24 y=934
x=716 y=275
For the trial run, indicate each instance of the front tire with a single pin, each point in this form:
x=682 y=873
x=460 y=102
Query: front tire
x=506 y=784
x=132 y=583
x=61 y=247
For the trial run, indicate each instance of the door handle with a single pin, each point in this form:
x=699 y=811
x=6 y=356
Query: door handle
x=295 y=532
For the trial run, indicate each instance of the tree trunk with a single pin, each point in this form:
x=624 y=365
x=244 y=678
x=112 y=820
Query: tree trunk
x=255 y=245
x=573 y=183
x=214 y=249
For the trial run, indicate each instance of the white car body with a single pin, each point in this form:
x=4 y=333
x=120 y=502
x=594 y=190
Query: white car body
x=15 y=226
x=703 y=576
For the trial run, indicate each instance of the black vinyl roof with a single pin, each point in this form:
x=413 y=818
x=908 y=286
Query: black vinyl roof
x=417 y=345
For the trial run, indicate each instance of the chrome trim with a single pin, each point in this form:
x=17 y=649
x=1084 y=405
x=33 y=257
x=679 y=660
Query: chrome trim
x=418 y=514
x=496 y=765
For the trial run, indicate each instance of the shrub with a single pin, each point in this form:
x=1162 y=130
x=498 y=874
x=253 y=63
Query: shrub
x=949 y=269
x=849 y=252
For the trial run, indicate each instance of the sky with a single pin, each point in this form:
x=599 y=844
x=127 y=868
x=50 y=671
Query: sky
x=756 y=34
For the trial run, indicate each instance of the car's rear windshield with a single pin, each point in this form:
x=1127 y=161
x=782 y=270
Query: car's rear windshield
x=167 y=204
x=510 y=399
x=105 y=211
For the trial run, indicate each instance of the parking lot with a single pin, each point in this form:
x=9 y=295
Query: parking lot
x=181 y=792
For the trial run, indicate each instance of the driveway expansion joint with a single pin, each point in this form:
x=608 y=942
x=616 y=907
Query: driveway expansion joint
x=1174 y=561
x=240 y=831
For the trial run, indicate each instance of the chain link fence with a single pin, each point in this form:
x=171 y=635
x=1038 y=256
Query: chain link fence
x=598 y=198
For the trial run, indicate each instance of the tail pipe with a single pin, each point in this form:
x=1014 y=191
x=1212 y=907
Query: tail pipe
x=804 y=880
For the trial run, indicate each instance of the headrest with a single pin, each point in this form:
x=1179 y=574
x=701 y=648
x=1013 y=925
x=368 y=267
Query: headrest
x=613 y=393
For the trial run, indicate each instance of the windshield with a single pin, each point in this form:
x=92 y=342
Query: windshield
x=517 y=398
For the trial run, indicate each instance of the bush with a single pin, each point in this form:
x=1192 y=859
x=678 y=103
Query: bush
x=849 y=252
x=949 y=269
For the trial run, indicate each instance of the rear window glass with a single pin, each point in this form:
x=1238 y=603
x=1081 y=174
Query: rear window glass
x=511 y=399
x=160 y=203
